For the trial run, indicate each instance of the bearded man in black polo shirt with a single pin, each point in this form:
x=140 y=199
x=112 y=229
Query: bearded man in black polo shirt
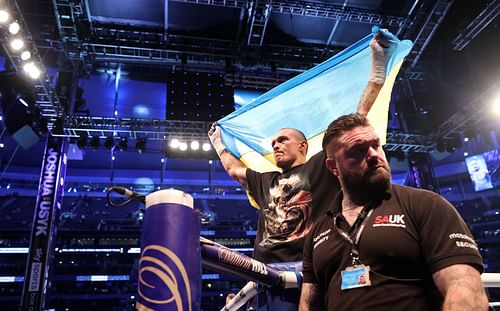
x=383 y=246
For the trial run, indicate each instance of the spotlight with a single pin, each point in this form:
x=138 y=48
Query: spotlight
x=195 y=145
x=140 y=145
x=14 y=28
x=23 y=101
x=25 y=55
x=174 y=143
x=109 y=142
x=16 y=44
x=470 y=131
x=34 y=73
x=206 y=147
x=4 y=16
x=28 y=67
x=123 y=144
x=94 y=142
x=82 y=141
x=32 y=70
x=183 y=146
x=450 y=148
x=496 y=106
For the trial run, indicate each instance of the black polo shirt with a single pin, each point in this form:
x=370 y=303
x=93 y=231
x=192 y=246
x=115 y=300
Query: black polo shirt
x=412 y=234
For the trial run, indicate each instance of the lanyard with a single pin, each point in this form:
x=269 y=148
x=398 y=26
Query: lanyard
x=359 y=224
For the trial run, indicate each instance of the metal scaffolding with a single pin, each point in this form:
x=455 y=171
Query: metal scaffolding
x=423 y=26
x=471 y=114
x=484 y=18
x=260 y=12
x=45 y=95
x=133 y=128
x=164 y=130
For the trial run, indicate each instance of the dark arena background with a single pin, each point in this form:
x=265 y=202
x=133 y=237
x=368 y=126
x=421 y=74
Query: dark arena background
x=133 y=87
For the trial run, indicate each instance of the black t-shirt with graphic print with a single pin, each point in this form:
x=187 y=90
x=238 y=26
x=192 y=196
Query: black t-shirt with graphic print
x=408 y=237
x=289 y=203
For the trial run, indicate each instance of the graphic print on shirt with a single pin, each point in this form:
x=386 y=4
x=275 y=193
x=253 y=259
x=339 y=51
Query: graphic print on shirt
x=288 y=211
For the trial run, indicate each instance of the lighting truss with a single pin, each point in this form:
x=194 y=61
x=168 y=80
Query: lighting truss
x=160 y=48
x=152 y=129
x=46 y=98
x=484 y=18
x=315 y=9
x=259 y=17
x=474 y=112
x=409 y=142
x=67 y=13
x=155 y=129
x=424 y=26
x=107 y=44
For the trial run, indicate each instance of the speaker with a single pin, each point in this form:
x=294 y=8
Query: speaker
x=21 y=118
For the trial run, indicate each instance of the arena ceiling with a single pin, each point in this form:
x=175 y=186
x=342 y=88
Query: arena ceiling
x=259 y=44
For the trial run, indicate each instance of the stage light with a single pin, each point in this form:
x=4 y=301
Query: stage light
x=25 y=55
x=183 y=146
x=94 y=142
x=28 y=66
x=123 y=144
x=82 y=141
x=4 y=16
x=14 y=28
x=206 y=147
x=174 y=143
x=22 y=101
x=32 y=70
x=195 y=145
x=16 y=44
x=109 y=142
x=34 y=73
x=496 y=105
x=140 y=145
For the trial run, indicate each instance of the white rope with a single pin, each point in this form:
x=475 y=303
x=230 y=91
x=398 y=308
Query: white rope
x=491 y=279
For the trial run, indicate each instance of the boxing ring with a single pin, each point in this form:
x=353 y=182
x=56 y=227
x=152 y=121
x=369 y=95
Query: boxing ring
x=172 y=253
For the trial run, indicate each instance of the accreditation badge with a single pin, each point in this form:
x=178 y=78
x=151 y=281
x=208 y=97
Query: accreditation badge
x=355 y=276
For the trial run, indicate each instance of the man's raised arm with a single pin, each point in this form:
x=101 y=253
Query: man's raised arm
x=381 y=49
x=233 y=166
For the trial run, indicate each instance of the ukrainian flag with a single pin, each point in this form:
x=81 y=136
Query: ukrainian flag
x=309 y=102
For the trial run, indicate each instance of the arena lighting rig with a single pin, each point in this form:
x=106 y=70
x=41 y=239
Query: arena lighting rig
x=24 y=57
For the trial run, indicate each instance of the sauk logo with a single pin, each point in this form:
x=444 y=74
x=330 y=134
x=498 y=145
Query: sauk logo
x=390 y=221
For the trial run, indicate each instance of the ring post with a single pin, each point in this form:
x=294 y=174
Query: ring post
x=169 y=267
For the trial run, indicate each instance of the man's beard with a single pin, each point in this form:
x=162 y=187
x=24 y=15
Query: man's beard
x=368 y=183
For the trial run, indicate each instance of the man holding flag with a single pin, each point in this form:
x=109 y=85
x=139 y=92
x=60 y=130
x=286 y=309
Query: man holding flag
x=292 y=200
